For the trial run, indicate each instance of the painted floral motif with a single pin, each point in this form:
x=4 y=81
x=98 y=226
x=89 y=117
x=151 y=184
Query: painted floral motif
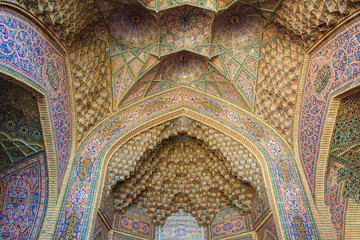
x=229 y=227
x=78 y=196
x=9 y=232
x=94 y=145
x=24 y=191
x=17 y=198
x=233 y=116
x=176 y=99
x=340 y=54
x=133 y=116
x=180 y=226
x=274 y=147
x=25 y=51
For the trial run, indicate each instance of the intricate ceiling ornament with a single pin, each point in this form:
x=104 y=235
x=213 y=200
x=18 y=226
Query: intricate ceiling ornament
x=133 y=27
x=183 y=173
x=237 y=40
x=65 y=18
x=216 y=53
x=267 y=6
x=279 y=73
x=90 y=65
x=242 y=161
x=229 y=158
x=232 y=66
x=311 y=18
x=184 y=67
x=185 y=28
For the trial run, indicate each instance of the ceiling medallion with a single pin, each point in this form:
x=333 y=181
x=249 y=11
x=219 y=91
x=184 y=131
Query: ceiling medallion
x=184 y=60
x=235 y=20
x=135 y=19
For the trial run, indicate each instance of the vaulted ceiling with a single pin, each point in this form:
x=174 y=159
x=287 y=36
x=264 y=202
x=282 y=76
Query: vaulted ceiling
x=184 y=165
x=183 y=173
x=247 y=52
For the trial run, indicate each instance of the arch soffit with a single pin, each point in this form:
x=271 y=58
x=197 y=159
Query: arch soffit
x=273 y=148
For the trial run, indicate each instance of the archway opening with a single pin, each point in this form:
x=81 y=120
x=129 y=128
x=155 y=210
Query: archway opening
x=23 y=163
x=342 y=176
x=183 y=166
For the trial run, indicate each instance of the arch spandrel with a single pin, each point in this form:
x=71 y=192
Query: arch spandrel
x=290 y=202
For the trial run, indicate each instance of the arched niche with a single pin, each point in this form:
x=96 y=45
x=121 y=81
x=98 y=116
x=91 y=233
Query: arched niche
x=287 y=197
x=209 y=152
x=330 y=70
x=32 y=57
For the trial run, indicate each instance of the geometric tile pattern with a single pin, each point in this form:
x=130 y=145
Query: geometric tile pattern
x=15 y=149
x=279 y=74
x=346 y=136
x=185 y=28
x=187 y=45
x=236 y=48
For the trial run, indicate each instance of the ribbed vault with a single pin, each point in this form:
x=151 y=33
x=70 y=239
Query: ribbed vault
x=214 y=52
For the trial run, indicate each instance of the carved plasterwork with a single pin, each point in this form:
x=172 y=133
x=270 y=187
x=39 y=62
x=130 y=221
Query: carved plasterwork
x=226 y=33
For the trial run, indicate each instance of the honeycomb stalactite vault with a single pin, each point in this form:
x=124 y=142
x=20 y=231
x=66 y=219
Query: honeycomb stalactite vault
x=170 y=167
x=183 y=173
